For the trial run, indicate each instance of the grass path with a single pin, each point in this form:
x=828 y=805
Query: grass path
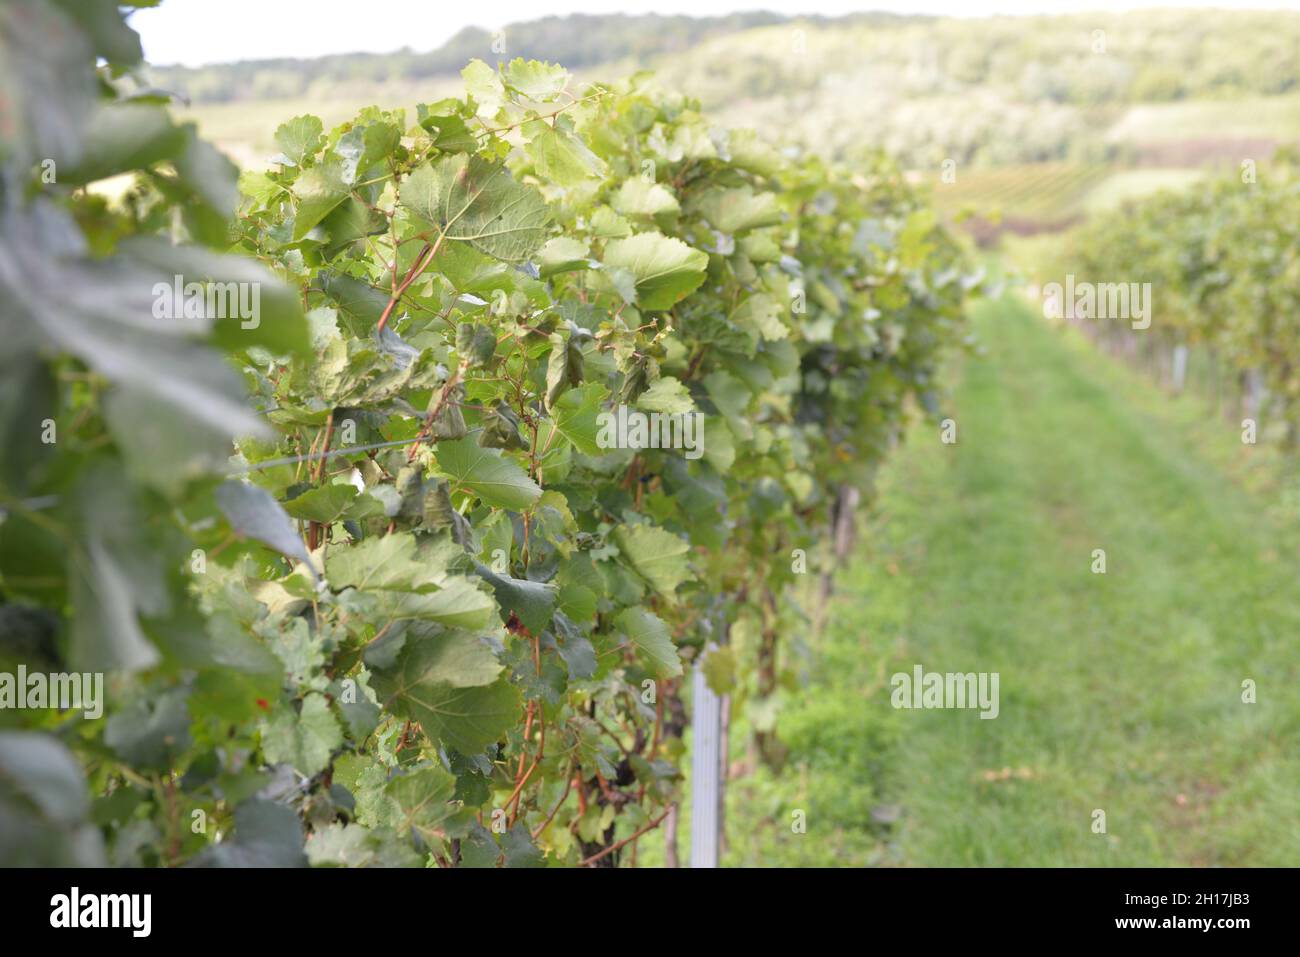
x=1119 y=691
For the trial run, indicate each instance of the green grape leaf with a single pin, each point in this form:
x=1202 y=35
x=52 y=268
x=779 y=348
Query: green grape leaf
x=476 y=201
x=483 y=84
x=449 y=133
x=575 y=647
x=664 y=269
x=649 y=636
x=467 y=719
x=532 y=602
x=299 y=138
x=306 y=739
x=640 y=196
x=253 y=512
x=319 y=190
x=150 y=734
x=351 y=845
x=607 y=224
x=476 y=343
x=394 y=561
x=325 y=504
x=736 y=210
x=266 y=835
x=44 y=804
x=560 y=156
x=535 y=80
x=495 y=479
x=458 y=603
x=565 y=366
x=424 y=800
x=121 y=137
x=656 y=555
x=576 y=416
x=562 y=254
x=432 y=655
x=666 y=394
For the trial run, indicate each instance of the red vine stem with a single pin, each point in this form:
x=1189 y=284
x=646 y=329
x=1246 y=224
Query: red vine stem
x=419 y=266
x=627 y=840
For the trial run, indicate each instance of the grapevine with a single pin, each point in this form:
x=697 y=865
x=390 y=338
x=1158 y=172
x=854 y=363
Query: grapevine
x=367 y=585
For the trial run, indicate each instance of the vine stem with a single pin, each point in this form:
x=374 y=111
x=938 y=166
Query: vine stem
x=420 y=265
x=534 y=710
x=517 y=794
x=491 y=131
x=314 y=529
x=627 y=840
x=443 y=396
x=568 y=786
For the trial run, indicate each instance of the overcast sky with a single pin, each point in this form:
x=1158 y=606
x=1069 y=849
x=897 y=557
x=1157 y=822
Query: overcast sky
x=195 y=32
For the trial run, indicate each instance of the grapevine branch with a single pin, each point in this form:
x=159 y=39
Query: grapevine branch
x=420 y=265
x=650 y=826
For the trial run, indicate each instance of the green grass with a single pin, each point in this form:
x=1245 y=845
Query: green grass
x=1119 y=692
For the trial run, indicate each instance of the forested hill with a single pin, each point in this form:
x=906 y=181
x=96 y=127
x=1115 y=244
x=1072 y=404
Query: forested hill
x=579 y=40
x=1152 y=88
x=1080 y=59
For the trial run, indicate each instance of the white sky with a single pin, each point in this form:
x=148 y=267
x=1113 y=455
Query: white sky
x=194 y=32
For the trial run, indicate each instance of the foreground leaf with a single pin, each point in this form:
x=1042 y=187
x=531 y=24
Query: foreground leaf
x=476 y=201
x=495 y=479
x=657 y=555
x=664 y=269
x=648 y=634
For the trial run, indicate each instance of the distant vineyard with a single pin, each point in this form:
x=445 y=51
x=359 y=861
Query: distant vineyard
x=1223 y=262
x=1040 y=196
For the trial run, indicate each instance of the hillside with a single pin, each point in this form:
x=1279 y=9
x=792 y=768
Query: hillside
x=1150 y=97
x=579 y=40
